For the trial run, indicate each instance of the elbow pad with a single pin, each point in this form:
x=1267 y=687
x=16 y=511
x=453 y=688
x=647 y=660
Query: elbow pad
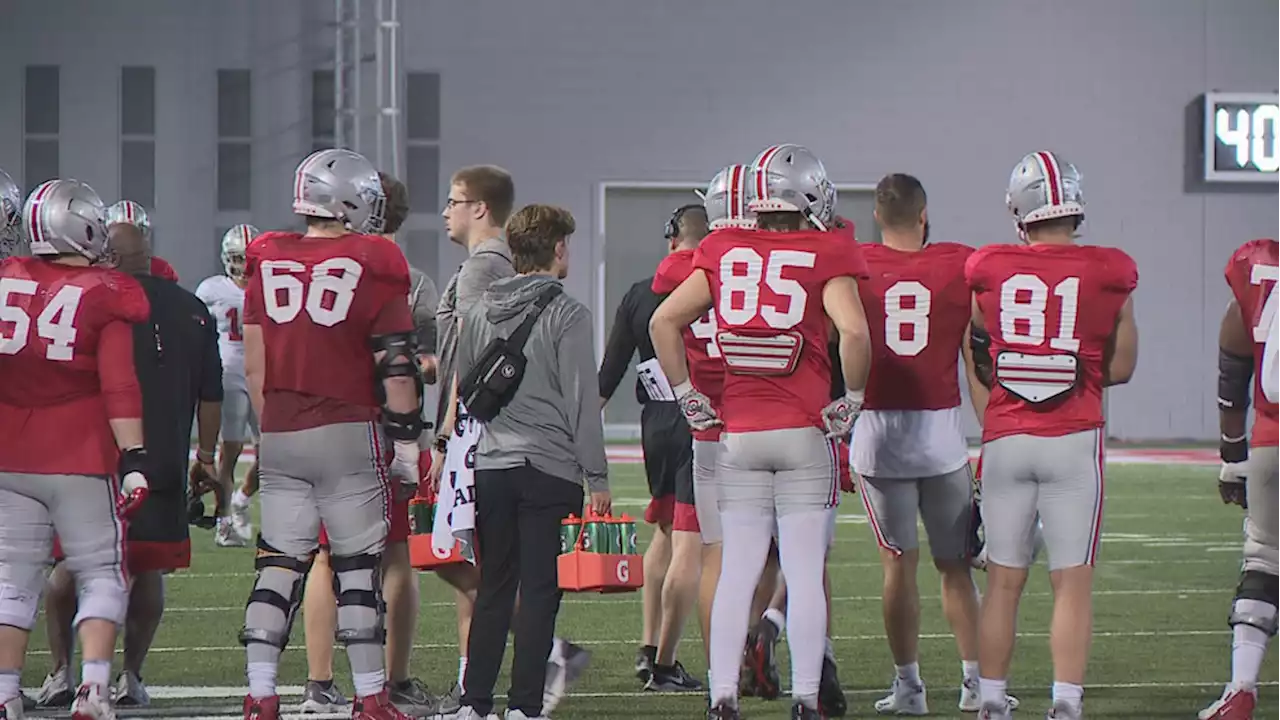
x=1234 y=375
x=980 y=346
x=400 y=360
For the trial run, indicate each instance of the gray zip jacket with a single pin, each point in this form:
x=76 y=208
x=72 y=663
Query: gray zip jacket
x=554 y=419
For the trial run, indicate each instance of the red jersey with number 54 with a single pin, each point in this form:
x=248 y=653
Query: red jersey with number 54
x=1252 y=274
x=66 y=359
x=319 y=301
x=917 y=306
x=1050 y=311
x=706 y=371
x=766 y=290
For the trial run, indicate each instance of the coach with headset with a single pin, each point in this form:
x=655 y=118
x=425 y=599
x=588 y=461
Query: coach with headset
x=672 y=563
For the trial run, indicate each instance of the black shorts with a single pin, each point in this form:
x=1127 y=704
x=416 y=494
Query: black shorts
x=668 y=462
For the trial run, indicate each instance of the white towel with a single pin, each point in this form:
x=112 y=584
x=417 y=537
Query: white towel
x=456 y=501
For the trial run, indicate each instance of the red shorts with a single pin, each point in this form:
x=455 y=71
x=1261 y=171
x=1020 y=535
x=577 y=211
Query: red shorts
x=399 y=530
x=667 y=510
x=146 y=556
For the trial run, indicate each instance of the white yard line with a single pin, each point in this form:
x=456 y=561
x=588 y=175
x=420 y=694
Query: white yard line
x=838 y=638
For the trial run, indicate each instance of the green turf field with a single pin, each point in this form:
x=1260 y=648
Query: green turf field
x=1169 y=564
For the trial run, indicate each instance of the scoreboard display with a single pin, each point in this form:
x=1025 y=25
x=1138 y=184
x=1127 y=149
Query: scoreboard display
x=1240 y=137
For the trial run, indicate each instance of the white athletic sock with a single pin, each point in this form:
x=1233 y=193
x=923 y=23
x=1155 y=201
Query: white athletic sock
x=557 y=650
x=95 y=672
x=1068 y=694
x=910 y=673
x=1248 y=648
x=776 y=617
x=9 y=685
x=746 y=543
x=802 y=544
x=370 y=683
x=969 y=670
x=462 y=670
x=239 y=499
x=993 y=692
x=830 y=649
x=262 y=679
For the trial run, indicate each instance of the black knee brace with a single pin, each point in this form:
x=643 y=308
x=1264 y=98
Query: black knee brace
x=350 y=594
x=1258 y=587
x=269 y=557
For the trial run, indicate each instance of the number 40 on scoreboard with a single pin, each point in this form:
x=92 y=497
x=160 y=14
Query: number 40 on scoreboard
x=1240 y=142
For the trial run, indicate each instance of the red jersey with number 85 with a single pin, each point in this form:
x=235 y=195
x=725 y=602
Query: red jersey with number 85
x=1050 y=311
x=319 y=301
x=917 y=306
x=66 y=356
x=1252 y=274
x=706 y=371
x=772 y=329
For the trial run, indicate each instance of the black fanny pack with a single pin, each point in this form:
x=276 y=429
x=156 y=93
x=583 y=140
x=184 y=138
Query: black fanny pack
x=491 y=383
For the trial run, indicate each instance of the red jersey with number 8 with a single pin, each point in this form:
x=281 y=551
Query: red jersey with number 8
x=917 y=306
x=706 y=371
x=1050 y=311
x=319 y=301
x=772 y=329
x=66 y=356
x=1252 y=274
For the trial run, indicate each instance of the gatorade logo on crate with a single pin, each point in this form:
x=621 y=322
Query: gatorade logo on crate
x=597 y=554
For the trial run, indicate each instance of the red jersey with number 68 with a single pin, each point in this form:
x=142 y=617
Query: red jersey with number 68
x=766 y=290
x=319 y=301
x=917 y=306
x=66 y=359
x=1252 y=274
x=1050 y=311
x=706 y=371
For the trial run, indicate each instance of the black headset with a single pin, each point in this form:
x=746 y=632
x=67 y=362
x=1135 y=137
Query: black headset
x=673 y=222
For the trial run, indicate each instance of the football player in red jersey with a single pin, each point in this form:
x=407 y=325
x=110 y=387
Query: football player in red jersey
x=1249 y=467
x=66 y=331
x=1060 y=321
x=329 y=351
x=775 y=291
x=908 y=450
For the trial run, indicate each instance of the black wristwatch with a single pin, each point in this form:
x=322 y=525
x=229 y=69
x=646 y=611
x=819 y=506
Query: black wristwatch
x=442 y=442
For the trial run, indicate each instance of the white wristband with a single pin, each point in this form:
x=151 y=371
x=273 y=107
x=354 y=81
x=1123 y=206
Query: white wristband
x=856 y=396
x=682 y=389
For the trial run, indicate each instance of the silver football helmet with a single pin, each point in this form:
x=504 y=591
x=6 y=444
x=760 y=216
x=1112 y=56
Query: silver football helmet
x=790 y=178
x=66 y=217
x=341 y=185
x=10 y=216
x=1043 y=186
x=234 y=245
x=727 y=198
x=129 y=213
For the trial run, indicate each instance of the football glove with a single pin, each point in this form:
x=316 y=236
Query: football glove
x=1231 y=484
x=695 y=407
x=838 y=417
x=134 y=488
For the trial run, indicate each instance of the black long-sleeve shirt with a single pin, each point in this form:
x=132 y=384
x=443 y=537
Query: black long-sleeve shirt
x=630 y=333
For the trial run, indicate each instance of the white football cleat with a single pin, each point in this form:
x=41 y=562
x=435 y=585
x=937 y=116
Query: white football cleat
x=129 y=691
x=904 y=698
x=971 y=699
x=92 y=702
x=224 y=535
x=240 y=520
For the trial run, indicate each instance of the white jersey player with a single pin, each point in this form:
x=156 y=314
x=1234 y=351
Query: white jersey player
x=224 y=295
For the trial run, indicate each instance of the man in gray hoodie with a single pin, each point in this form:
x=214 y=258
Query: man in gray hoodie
x=531 y=462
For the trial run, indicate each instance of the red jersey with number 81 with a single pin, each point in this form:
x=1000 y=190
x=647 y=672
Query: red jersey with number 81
x=1252 y=274
x=917 y=306
x=66 y=359
x=766 y=290
x=1050 y=311
x=319 y=301
x=706 y=371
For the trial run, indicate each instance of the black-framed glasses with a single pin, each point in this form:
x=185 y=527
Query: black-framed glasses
x=451 y=203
